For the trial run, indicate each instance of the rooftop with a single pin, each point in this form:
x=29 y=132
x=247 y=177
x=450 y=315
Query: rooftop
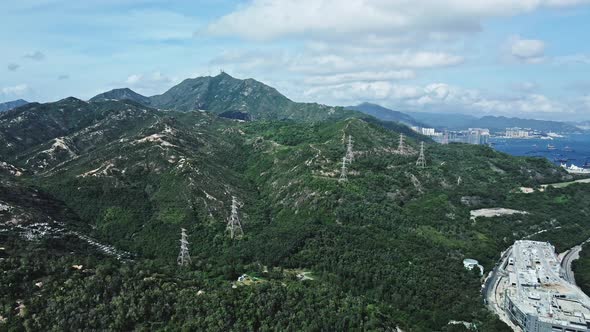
x=541 y=291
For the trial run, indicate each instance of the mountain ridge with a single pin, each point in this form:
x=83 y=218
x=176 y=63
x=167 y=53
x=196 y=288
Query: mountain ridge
x=9 y=105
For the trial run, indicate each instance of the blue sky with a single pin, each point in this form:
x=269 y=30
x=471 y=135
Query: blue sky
x=527 y=58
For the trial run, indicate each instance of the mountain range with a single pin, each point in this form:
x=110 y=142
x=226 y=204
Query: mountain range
x=386 y=114
x=7 y=106
x=229 y=97
x=94 y=194
x=452 y=121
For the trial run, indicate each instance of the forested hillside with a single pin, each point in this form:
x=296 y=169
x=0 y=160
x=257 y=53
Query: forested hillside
x=383 y=249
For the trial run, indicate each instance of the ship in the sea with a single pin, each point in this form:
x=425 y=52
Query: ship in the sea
x=573 y=169
x=551 y=147
x=568 y=149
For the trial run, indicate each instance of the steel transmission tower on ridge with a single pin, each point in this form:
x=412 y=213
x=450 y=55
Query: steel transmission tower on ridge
x=184 y=258
x=343 y=177
x=421 y=162
x=400 y=148
x=349 y=152
x=233 y=224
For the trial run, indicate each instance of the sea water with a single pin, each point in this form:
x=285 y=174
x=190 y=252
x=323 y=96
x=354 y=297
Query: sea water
x=571 y=149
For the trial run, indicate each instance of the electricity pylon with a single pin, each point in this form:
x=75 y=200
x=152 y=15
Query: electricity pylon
x=184 y=258
x=400 y=148
x=421 y=162
x=233 y=224
x=349 y=152
x=343 y=177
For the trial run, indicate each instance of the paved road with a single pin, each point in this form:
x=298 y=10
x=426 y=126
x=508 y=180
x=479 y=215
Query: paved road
x=491 y=290
x=566 y=262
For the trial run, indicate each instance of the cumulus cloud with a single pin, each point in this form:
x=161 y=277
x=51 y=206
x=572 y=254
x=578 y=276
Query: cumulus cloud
x=271 y=19
x=151 y=83
x=12 y=91
x=437 y=97
x=13 y=66
x=527 y=50
x=36 y=56
x=360 y=76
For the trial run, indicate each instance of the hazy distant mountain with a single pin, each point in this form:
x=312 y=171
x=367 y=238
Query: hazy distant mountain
x=444 y=120
x=463 y=121
x=584 y=125
x=12 y=105
x=501 y=122
x=384 y=113
x=122 y=94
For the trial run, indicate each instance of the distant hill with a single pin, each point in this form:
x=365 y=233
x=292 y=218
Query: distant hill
x=229 y=97
x=240 y=99
x=501 y=122
x=12 y=105
x=584 y=125
x=497 y=123
x=444 y=120
x=384 y=113
x=122 y=94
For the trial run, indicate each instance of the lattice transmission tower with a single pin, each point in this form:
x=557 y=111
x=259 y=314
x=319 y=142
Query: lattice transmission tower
x=421 y=162
x=349 y=151
x=400 y=148
x=343 y=177
x=234 y=227
x=184 y=258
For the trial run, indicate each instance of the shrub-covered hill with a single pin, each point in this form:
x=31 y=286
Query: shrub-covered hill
x=383 y=249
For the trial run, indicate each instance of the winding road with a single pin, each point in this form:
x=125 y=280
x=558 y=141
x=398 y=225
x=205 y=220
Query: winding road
x=567 y=259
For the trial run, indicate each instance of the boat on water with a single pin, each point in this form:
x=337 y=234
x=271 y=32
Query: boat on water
x=551 y=147
x=561 y=159
x=568 y=149
x=573 y=169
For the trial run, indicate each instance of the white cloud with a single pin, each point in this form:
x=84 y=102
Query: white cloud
x=150 y=84
x=360 y=76
x=17 y=90
x=437 y=97
x=527 y=50
x=271 y=19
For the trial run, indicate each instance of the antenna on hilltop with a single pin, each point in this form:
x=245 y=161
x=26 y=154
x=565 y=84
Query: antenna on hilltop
x=184 y=258
x=349 y=152
x=343 y=177
x=421 y=162
x=233 y=224
x=400 y=148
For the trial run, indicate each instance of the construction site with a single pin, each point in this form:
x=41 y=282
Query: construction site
x=529 y=292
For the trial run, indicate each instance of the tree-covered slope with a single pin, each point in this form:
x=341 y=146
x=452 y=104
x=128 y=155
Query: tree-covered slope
x=240 y=99
x=7 y=106
x=381 y=250
x=122 y=94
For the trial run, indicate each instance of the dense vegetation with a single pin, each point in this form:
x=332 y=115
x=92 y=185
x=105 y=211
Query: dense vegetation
x=581 y=269
x=383 y=249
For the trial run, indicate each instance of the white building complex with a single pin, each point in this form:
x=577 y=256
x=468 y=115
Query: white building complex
x=536 y=296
